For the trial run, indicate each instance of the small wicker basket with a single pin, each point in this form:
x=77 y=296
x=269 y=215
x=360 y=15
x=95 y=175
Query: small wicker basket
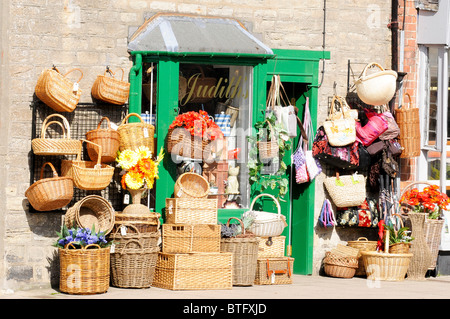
x=134 y=135
x=191 y=185
x=108 y=139
x=340 y=266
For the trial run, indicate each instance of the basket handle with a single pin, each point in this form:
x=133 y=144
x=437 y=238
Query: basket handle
x=362 y=239
x=65 y=122
x=92 y=245
x=240 y=222
x=75 y=69
x=130 y=241
x=131 y=114
x=54 y=122
x=127 y=225
x=55 y=173
x=409 y=100
x=99 y=157
x=113 y=73
x=100 y=123
x=370 y=65
x=271 y=196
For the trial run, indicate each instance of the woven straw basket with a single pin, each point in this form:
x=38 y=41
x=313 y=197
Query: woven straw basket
x=48 y=194
x=124 y=232
x=108 y=139
x=57 y=91
x=109 y=89
x=339 y=265
x=363 y=244
x=55 y=146
x=377 y=88
x=91 y=266
x=408 y=120
x=268 y=149
x=134 y=135
x=143 y=223
x=191 y=185
x=88 y=175
x=91 y=210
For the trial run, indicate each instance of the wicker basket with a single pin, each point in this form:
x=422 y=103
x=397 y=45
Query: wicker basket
x=181 y=142
x=52 y=193
x=108 y=139
x=134 y=135
x=109 y=89
x=57 y=91
x=123 y=233
x=195 y=271
x=133 y=267
x=377 y=88
x=187 y=238
x=191 y=185
x=386 y=266
x=271 y=246
x=340 y=266
x=268 y=149
x=144 y=223
x=266 y=224
x=88 y=175
x=400 y=248
x=55 y=146
x=363 y=244
x=274 y=271
x=191 y=211
x=91 y=210
x=244 y=248
x=84 y=271
x=408 y=120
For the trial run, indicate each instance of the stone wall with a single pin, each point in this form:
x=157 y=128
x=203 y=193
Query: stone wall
x=93 y=34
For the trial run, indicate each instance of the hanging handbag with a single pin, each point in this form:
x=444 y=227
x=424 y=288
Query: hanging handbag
x=389 y=164
x=393 y=131
x=312 y=165
x=364 y=215
x=299 y=160
x=326 y=218
x=340 y=128
x=375 y=126
x=346 y=190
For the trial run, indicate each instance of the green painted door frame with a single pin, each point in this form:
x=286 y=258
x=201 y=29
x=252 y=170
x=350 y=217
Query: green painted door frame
x=293 y=66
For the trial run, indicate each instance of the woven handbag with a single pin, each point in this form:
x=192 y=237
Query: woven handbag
x=346 y=190
x=55 y=146
x=134 y=135
x=340 y=129
x=57 y=91
x=109 y=89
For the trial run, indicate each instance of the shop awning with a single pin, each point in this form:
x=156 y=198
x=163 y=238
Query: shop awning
x=189 y=34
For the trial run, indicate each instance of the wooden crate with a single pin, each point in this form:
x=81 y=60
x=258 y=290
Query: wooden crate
x=191 y=211
x=271 y=246
x=193 y=271
x=274 y=271
x=178 y=238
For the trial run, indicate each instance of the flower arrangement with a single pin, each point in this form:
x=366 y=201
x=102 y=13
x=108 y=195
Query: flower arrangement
x=198 y=124
x=430 y=200
x=80 y=237
x=140 y=170
x=402 y=235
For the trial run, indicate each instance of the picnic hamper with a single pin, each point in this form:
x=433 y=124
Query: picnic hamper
x=52 y=193
x=408 y=120
x=266 y=224
x=191 y=185
x=271 y=246
x=274 y=271
x=244 y=248
x=186 y=238
x=88 y=175
x=191 y=211
x=134 y=135
x=107 y=138
x=57 y=91
x=91 y=210
x=109 y=89
x=55 y=146
x=84 y=271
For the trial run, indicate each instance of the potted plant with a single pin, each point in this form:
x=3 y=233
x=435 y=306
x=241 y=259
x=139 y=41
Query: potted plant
x=399 y=240
x=430 y=200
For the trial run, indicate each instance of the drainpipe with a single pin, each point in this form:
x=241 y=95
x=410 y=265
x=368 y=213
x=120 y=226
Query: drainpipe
x=393 y=25
x=135 y=87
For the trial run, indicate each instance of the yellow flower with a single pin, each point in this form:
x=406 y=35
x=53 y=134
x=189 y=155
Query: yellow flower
x=127 y=159
x=144 y=152
x=134 y=180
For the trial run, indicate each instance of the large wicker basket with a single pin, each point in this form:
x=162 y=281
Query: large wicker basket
x=340 y=266
x=271 y=246
x=84 y=271
x=52 y=193
x=57 y=91
x=55 y=146
x=134 y=135
x=144 y=223
x=386 y=266
x=191 y=211
x=179 y=238
x=408 y=120
x=109 y=89
x=91 y=210
x=125 y=232
x=108 y=139
x=191 y=185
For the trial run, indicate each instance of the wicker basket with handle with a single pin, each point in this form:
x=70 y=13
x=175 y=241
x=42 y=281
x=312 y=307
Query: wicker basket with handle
x=363 y=244
x=57 y=91
x=134 y=135
x=109 y=89
x=408 y=120
x=109 y=140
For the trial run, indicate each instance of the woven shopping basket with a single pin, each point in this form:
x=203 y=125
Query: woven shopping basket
x=109 y=140
x=408 y=120
x=266 y=224
x=91 y=210
x=84 y=271
x=191 y=185
x=244 y=248
x=52 y=193
x=57 y=91
x=55 y=146
x=88 y=175
x=109 y=89
x=134 y=135
x=133 y=267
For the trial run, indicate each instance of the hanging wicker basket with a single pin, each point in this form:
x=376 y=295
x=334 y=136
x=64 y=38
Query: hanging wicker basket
x=109 y=89
x=55 y=146
x=268 y=149
x=52 y=193
x=57 y=91
x=191 y=185
x=408 y=121
x=376 y=88
x=134 y=135
x=108 y=139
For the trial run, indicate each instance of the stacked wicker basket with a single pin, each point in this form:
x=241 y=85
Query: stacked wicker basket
x=191 y=258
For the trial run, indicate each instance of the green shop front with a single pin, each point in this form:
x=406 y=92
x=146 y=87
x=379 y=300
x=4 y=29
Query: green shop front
x=189 y=63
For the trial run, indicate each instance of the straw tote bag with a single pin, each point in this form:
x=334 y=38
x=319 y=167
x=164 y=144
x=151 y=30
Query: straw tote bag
x=57 y=91
x=346 y=190
x=109 y=89
x=340 y=126
x=55 y=146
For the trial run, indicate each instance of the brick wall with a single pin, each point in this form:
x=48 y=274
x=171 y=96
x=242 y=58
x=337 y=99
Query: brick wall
x=93 y=34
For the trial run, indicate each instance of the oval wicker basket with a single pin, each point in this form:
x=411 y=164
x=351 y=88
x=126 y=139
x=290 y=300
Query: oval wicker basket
x=191 y=185
x=363 y=244
x=340 y=266
x=377 y=88
x=134 y=135
x=108 y=139
x=109 y=89
x=52 y=193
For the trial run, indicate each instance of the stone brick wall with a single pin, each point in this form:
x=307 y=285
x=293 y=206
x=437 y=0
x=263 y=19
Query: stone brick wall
x=93 y=34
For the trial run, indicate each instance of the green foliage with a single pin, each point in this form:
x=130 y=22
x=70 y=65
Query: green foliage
x=398 y=236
